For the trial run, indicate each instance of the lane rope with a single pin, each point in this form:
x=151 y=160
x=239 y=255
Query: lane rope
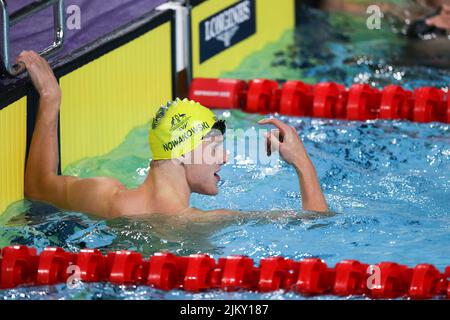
x=323 y=100
x=21 y=265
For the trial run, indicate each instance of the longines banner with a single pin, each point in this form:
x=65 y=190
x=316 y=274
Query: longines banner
x=225 y=32
x=227 y=28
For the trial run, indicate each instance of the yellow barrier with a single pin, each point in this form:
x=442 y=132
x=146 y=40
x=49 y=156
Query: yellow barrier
x=13 y=142
x=105 y=99
x=114 y=87
x=271 y=19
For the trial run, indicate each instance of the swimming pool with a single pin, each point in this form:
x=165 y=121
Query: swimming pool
x=388 y=181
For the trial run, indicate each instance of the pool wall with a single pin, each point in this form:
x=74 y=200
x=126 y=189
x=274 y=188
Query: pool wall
x=131 y=67
x=115 y=82
x=108 y=97
x=13 y=143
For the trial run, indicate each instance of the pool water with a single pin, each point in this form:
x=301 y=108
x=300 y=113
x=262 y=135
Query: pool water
x=387 y=181
x=339 y=47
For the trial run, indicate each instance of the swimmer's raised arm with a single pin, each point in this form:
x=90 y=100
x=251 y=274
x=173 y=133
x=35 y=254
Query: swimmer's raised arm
x=286 y=140
x=42 y=181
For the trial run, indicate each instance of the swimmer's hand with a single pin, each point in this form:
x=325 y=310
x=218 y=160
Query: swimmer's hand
x=442 y=20
x=41 y=75
x=286 y=140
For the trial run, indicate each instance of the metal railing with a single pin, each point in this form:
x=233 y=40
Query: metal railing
x=9 y=21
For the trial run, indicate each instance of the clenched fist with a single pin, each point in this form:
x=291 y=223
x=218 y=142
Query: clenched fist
x=286 y=140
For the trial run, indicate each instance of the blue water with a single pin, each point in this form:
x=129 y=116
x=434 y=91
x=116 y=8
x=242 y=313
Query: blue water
x=388 y=183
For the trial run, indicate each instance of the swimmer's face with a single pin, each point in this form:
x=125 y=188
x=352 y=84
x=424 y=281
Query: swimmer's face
x=203 y=165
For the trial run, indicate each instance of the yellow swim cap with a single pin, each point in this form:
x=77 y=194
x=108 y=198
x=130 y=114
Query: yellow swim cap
x=178 y=128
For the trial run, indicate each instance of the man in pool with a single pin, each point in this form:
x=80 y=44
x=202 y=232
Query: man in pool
x=180 y=131
x=441 y=20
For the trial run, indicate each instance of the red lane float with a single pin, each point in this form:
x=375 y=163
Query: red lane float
x=92 y=264
x=262 y=96
x=329 y=100
x=363 y=102
x=396 y=103
x=222 y=93
x=296 y=98
x=166 y=271
x=325 y=100
x=198 y=273
x=53 y=264
x=394 y=281
x=447 y=109
x=351 y=276
x=20 y=265
x=277 y=273
x=427 y=282
x=237 y=273
x=314 y=277
x=427 y=104
x=126 y=267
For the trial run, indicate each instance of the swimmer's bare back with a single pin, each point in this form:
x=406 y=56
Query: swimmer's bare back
x=164 y=190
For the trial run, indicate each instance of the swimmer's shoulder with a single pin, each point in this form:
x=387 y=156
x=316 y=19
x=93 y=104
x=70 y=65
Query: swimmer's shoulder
x=127 y=202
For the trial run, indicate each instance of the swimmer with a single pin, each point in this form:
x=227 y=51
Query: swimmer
x=179 y=131
x=442 y=20
x=423 y=22
x=432 y=25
